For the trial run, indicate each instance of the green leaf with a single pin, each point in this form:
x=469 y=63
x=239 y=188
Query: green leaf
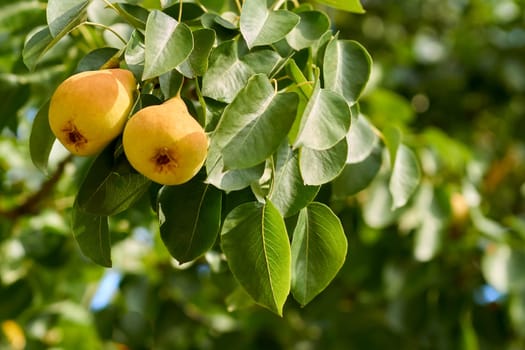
x=92 y=235
x=190 y=11
x=433 y=213
x=253 y=126
x=362 y=140
x=41 y=139
x=63 y=14
x=229 y=180
x=110 y=186
x=226 y=74
x=321 y=166
x=289 y=194
x=347 y=66
x=36 y=45
x=262 y=61
x=135 y=15
x=319 y=249
x=189 y=217
x=325 y=121
x=42 y=40
x=197 y=63
x=346 y=5
x=298 y=77
x=405 y=176
x=167 y=43
x=170 y=83
x=134 y=54
x=311 y=27
x=96 y=59
x=261 y=26
x=255 y=242
x=355 y=177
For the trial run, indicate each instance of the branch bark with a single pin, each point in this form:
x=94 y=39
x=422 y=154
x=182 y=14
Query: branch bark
x=31 y=204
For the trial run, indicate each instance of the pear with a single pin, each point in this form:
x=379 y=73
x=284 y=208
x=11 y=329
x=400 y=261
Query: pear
x=165 y=143
x=89 y=109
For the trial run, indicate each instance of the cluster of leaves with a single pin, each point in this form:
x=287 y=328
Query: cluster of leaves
x=442 y=272
x=278 y=93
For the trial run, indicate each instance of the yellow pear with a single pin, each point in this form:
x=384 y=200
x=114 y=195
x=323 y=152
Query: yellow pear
x=89 y=109
x=165 y=143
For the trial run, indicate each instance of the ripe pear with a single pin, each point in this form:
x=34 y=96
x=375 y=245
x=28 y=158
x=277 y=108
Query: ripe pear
x=165 y=143
x=89 y=109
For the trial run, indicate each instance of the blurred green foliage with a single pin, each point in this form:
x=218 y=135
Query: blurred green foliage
x=444 y=272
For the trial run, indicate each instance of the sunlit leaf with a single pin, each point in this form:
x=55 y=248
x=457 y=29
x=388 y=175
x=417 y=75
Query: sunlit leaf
x=63 y=14
x=347 y=67
x=502 y=267
x=325 y=121
x=92 y=235
x=319 y=249
x=255 y=123
x=229 y=179
x=311 y=27
x=262 y=26
x=226 y=74
x=190 y=217
x=430 y=203
x=321 y=166
x=41 y=40
x=362 y=140
x=255 y=242
x=346 y=5
x=378 y=211
x=405 y=176
x=262 y=61
x=167 y=44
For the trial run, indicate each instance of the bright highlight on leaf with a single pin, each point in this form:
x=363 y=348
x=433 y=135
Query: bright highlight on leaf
x=346 y=5
x=405 y=177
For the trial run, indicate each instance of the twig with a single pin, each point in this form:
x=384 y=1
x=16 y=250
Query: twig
x=32 y=203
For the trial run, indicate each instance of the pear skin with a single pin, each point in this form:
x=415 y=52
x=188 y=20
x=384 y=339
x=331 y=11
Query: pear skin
x=165 y=143
x=89 y=109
